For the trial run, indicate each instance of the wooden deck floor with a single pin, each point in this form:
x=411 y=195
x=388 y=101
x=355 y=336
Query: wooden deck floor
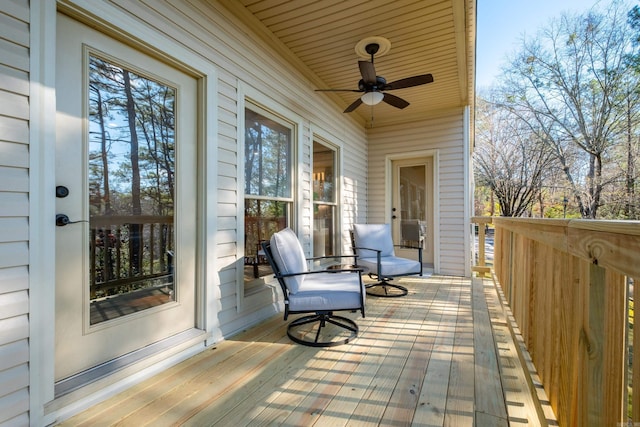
x=441 y=356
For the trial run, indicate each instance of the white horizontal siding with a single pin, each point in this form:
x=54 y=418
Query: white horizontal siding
x=15 y=81
x=15 y=155
x=18 y=9
x=444 y=134
x=15 y=105
x=14 y=56
x=14 y=204
x=14 y=179
x=14 y=354
x=14 y=30
x=14 y=211
x=14 y=408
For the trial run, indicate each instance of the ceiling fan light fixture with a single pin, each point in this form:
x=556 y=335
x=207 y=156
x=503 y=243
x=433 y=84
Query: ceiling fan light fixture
x=372 y=98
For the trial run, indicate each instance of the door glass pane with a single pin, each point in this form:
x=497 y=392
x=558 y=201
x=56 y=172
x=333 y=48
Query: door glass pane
x=324 y=200
x=131 y=191
x=412 y=204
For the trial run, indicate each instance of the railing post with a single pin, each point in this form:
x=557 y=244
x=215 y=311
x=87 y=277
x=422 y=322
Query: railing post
x=595 y=340
x=481 y=243
x=481 y=268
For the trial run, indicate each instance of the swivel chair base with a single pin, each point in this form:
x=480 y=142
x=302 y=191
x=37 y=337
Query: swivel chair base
x=386 y=289
x=322 y=330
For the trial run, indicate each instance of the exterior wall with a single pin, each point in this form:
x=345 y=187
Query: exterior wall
x=14 y=211
x=445 y=136
x=243 y=67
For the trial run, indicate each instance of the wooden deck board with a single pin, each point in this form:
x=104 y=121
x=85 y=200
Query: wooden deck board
x=375 y=349
x=489 y=395
x=435 y=385
x=427 y=359
x=460 y=398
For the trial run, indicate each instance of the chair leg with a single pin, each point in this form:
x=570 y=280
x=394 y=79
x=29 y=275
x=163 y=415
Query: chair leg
x=316 y=324
x=386 y=289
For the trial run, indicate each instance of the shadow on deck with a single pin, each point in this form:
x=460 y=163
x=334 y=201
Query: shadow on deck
x=442 y=355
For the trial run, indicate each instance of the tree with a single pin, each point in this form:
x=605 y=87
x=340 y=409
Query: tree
x=509 y=159
x=567 y=85
x=131 y=167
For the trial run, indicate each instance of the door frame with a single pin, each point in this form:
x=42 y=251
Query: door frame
x=44 y=407
x=388 y=196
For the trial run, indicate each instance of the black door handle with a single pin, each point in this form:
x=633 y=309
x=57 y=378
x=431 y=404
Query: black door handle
x=62 y=220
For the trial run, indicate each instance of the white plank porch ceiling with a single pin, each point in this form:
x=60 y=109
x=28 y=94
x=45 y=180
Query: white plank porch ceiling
x=318 y=38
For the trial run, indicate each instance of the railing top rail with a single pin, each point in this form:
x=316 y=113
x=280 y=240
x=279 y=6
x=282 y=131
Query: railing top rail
x=619 y=226
x=609 y=244
x=481 y=219
x=102 y=221
x=547 y=221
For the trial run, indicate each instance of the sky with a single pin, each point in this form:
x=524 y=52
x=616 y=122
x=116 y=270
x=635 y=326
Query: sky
x=502 y=23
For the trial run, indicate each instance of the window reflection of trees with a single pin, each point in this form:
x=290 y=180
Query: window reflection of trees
x=131 y=179
x=268 y=193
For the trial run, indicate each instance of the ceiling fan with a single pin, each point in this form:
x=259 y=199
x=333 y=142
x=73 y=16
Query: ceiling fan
x=373 y=86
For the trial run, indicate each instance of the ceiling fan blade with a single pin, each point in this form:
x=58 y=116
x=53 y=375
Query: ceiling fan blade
x=338 y=90
x=409 y=82
x=395 y=101
x=353 y=106
x=368 y=72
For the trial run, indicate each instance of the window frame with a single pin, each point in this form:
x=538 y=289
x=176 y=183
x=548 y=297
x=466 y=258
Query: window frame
x=336 y=192
x=251 y=98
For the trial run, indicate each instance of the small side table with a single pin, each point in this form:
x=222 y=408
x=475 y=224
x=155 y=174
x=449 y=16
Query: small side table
x=339 y=267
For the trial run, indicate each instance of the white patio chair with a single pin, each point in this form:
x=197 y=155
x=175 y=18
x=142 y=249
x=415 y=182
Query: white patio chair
x=320 y=292
x=373 y=245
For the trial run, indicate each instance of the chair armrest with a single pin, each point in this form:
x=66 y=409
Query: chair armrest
x=419 y=248
x=368 y=249
x=329 y=257
x=407 y=247
x=349 y=270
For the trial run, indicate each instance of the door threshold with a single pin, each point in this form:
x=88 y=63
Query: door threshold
x=107 y=374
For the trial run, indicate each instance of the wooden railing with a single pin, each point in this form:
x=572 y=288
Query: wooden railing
x=130 y=252
x=569 y=284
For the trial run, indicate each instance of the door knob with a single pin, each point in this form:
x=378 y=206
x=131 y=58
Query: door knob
x=62 y=220
x=62 y=191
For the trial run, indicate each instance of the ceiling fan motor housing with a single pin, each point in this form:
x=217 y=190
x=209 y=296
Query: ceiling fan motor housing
x=378 y=85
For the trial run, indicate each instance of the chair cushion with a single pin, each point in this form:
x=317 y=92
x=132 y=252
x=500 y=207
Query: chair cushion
x=289 y=257
x=375 y=236
x=328 y=291
x=391 y=265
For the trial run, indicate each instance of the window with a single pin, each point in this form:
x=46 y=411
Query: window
x=324 y=200
x=268 y=201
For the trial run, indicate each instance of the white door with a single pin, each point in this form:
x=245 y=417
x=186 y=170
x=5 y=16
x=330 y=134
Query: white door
x=412 y=201
x=125 y=199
